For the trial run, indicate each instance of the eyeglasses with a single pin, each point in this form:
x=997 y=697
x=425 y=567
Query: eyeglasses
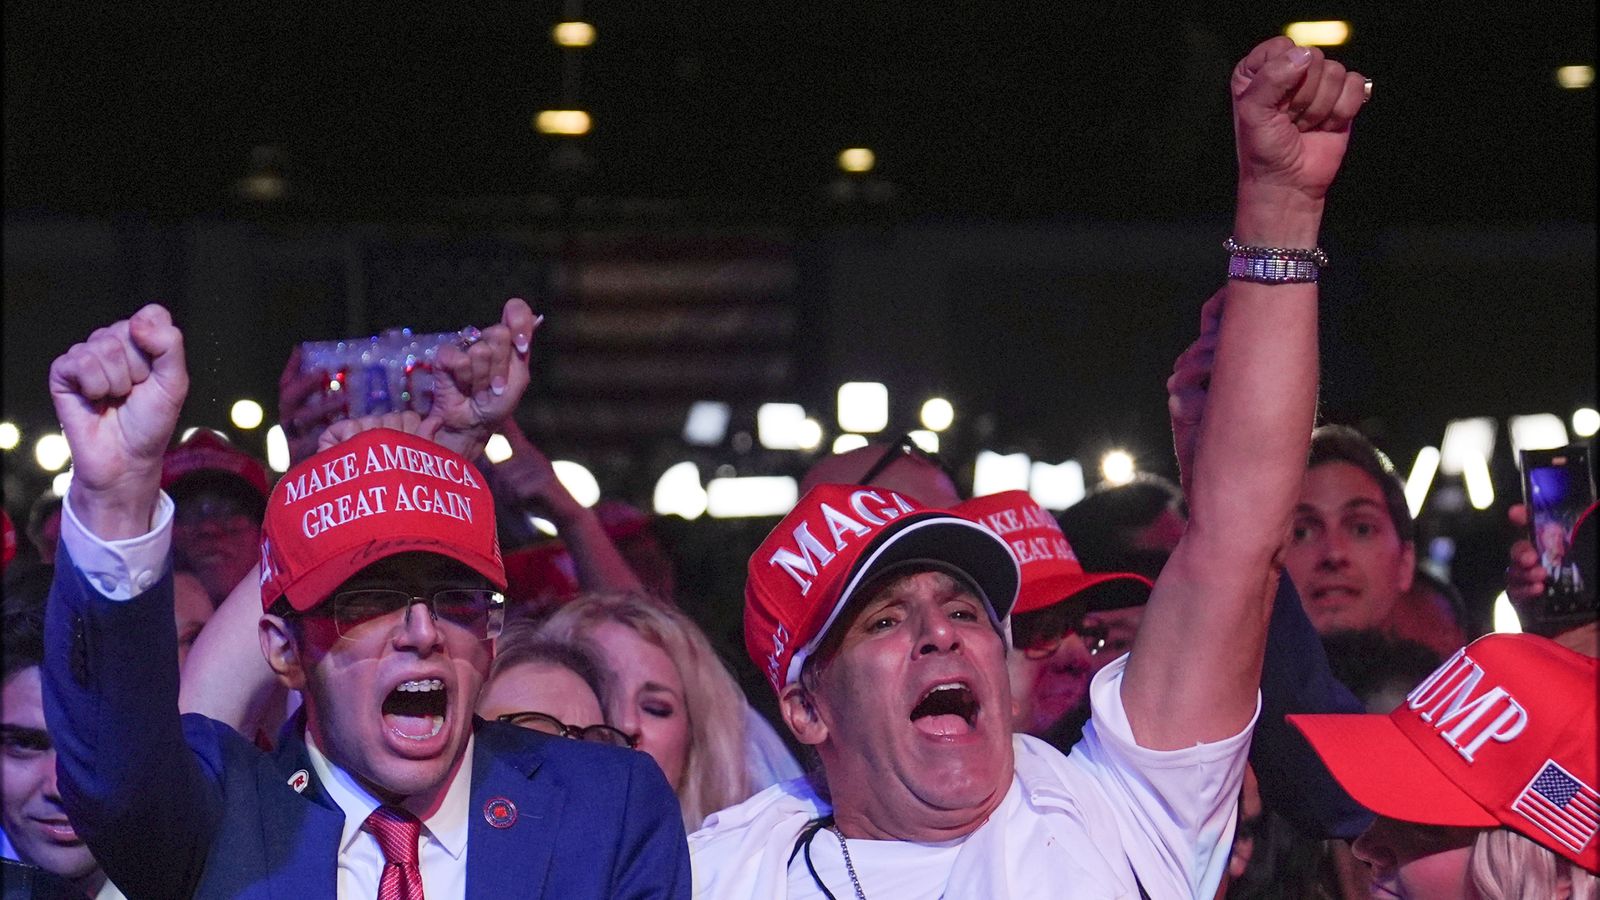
x=480 y=611
x=1094 y=637
x=548 y=724
x=904 y=446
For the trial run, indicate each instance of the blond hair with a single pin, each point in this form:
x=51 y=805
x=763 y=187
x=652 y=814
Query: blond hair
x=1507 y=866
x=715 y=775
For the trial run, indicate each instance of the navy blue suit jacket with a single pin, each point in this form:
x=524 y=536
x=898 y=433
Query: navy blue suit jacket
x=187 y=807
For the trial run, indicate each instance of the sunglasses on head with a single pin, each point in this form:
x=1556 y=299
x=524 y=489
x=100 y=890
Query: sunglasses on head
x=904 y=446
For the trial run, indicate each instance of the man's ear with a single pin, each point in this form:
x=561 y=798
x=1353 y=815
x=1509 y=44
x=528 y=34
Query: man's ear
x=1408 y=565
x=282 y=651
x=800 y=714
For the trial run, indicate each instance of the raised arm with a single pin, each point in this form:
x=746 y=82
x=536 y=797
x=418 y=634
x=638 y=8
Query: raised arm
x=127 y=779
x=529 y=481
x=1196 y=662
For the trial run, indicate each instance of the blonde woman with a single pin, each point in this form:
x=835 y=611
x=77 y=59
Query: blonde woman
x=668 y=690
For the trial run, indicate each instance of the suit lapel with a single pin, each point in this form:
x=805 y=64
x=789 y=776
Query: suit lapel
x=300 y=830
x=510 y=858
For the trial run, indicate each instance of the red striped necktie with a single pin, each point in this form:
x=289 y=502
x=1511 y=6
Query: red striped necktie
x=397 y=832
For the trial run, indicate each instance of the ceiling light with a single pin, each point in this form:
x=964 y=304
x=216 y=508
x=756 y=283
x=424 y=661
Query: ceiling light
x=566 y=122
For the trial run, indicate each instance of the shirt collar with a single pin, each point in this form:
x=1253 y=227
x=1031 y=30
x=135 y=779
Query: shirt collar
x=447 y=826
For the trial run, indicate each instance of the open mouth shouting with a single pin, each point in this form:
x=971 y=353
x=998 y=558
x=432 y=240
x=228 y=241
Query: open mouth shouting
x=948 y=709
x=415 y=711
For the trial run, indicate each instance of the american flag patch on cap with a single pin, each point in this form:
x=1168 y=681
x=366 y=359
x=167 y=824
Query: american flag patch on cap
x=1561 y=806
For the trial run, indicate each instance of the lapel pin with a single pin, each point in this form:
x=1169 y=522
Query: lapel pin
x=299 y=780
x=500 y=812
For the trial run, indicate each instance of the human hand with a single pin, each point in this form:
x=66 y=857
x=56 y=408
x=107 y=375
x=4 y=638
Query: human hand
x=529 y=479
x=1191 y=379
x=1292 y=109
x=406 y=421
x=117 y=396
x=305 y=408
x=1525 y=577
x=478 y=385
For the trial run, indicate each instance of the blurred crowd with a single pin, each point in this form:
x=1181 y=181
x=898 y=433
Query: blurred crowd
x=593 y=639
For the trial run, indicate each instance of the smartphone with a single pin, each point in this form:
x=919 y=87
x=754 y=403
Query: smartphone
x=1557 y=486
x=387 y=372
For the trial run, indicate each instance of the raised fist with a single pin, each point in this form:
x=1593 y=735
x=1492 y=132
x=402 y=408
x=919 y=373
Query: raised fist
x=1292 y=109
x=118 y=395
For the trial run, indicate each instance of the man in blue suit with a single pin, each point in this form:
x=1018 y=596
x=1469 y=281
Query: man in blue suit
x=381 y=580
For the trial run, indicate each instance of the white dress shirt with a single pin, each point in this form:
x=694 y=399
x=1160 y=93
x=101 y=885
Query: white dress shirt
x=121 y=570
x=441 y=852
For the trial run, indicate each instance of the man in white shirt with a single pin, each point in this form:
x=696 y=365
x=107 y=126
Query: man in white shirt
x=882 y=624
x=381 y=580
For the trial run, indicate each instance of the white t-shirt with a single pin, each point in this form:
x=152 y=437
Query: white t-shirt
x=1077 y=826
x=898 y=869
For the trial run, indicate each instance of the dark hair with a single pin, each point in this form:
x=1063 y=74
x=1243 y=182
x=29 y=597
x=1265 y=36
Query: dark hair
x=1100 y=527
x=26 y=594
x=1370 y=662
x=1341 y=443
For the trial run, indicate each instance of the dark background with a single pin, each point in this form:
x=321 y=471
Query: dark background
x=1053 y=183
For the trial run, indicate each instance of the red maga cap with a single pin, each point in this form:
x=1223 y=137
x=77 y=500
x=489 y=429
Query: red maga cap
x=834 y=540
x=1051 y=572
x=378 y=494
x=1502 y=734
x=208 y=451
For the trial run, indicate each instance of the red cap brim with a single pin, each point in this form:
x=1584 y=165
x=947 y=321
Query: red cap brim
x=1042 y=593
x=1382 y=770
x=317 y=584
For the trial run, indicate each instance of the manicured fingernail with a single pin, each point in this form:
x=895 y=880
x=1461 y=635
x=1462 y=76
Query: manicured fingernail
x=522 y=343
x=1299 y=56
x=498 y=385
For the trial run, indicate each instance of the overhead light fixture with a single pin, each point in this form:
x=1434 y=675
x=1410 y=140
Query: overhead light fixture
x=578 y=481
x=10 y=436
x=844 y=443
x=246 y=414
x=927 y=440
x=563 y=122
x=863 y=407
x=572 y=34
x=707 y=423
x=679 y=493
x=1480 y=486
x=1421 y=478
x=498 y=449
x=51 y=451
x=60 y=484
x=1575 y=78
x=542 y=525
x=857 y=160
x=995 y=472
x=1464 y=438
x=1327 y=33
x=1541 y=431
x=1117 y=467
x=1585 y=422
x=1056 y=487
x=938 y=414
x=755 y=495
x=277 y=449
x=781 y=426
x=810 y=434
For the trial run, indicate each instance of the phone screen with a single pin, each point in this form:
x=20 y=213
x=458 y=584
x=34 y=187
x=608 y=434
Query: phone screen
x=1558 y=487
